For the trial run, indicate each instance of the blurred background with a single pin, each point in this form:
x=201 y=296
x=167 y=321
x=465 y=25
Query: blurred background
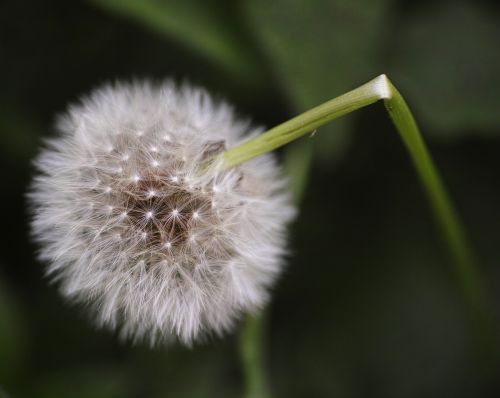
x=368 y=305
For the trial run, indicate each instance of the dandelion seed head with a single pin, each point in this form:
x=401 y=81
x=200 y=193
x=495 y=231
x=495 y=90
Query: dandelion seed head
x=158 y=246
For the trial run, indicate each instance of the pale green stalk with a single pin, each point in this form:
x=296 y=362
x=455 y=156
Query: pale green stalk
x=377 y=89
x=447 y=219
x=251 y=351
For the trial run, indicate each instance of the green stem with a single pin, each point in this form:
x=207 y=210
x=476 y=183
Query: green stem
x=464 y=263
x=251 y=350
x=448 y=220
x=449 y=224
x=379 y=88
x=306 y=122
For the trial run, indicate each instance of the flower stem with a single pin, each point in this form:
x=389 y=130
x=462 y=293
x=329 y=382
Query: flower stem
x=449 y=224
x=307 y=122
x=251 y=350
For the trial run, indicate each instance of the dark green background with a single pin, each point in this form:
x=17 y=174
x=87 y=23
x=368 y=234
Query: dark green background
x=368 y=305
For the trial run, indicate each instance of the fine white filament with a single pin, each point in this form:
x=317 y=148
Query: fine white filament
x=132 y=221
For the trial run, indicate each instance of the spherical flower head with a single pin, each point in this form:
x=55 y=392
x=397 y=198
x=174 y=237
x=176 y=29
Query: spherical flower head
x=136 y=218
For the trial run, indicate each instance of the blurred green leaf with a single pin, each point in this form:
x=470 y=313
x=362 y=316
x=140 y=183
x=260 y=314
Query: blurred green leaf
x=208 y=27
x=447 y=63
x=320 y=49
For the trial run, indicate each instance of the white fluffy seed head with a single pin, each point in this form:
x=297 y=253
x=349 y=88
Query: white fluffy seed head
x=131 y=224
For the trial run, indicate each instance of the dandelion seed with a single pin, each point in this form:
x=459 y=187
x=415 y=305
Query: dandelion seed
x=149 y=271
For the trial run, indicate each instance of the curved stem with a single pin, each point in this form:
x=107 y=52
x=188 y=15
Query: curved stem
x=448 y=220
x=306 y=122
x=449 y=224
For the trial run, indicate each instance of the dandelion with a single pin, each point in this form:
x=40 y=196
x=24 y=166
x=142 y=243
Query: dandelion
x=135 y=219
